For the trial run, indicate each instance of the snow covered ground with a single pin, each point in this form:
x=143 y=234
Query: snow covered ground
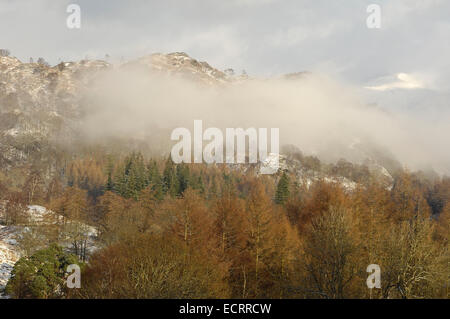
x=9 y=253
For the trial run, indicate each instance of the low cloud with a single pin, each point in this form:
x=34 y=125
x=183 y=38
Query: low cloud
x=398 y=81
x=315 y=113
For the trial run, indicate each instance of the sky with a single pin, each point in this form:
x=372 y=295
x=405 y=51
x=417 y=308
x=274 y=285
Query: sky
x=403 y=66
x=264 y=37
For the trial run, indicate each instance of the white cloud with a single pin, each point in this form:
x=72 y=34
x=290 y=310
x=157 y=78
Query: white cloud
x=398 y=81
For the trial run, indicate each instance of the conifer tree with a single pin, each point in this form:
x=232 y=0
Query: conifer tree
x=157 y=186
x=131 y=177
x=121 y=180
x=152 y=172
x=183 y=178
x=196 y=182
x=170 y=181
x=282 y=192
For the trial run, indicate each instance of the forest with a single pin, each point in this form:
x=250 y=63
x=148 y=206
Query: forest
x=165 y=230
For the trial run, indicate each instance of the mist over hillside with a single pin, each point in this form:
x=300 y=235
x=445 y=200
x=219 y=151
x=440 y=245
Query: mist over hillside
x=146 y=98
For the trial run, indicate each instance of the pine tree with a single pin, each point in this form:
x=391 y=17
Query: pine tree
x=121 y=180
x=196 y=182
x=182 y=178
x=137 y=176
x=41 y=276
x=157 y=186
x=282 y=192
x=152 y=172
x=154 y=179
x=170 y=181
x=131 y=177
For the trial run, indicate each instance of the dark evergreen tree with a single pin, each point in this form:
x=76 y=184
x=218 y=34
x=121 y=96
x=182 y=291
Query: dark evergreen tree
x=282 y=192
x=170 y=181
x=131 y=177
x=152 y=172
x=196 y=182
x=136 y=176
x=41 y=275
x=182 y=178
